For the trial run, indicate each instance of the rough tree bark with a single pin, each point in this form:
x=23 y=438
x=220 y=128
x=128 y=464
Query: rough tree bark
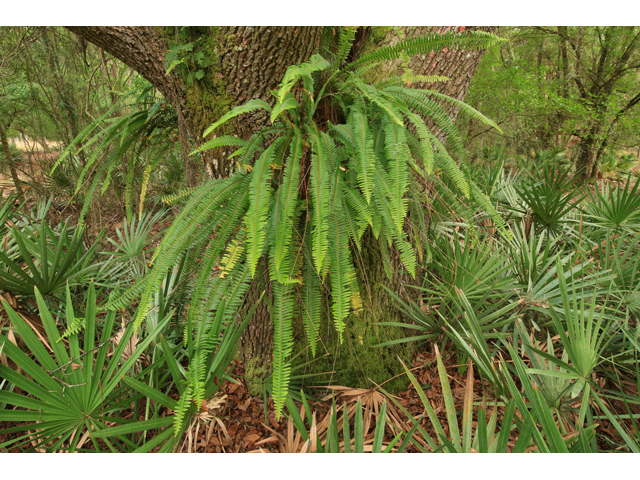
x=458 y=65
x=251 y=62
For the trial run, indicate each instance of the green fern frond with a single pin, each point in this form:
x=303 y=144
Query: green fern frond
x=420 y=101
x=331 y=152
x=250 y=106
x=341 y=269
x=282 y=342
x=408 y=79
x=382 y=193
x=429 y=43
x=294 y=72
x=397 y=154
x=286 y=201
x=479 y=196
x=464 y=107
x=231 y=257
x=73 y=328
x=224 y=141
x=355 y=200
x=183 y=194
x=254 y=144
x=345 y=134
x=228 y=221
x=371 y=94
x=259 y=196
x=426 y=148
x=310 y=294
x=320 y=192
x=311 y=306
x=365 y=158
x=184 y=232
x=290 y=103
x=345 y=41
x=224 y=298
x=448 y=164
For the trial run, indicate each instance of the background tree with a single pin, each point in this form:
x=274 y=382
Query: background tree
x=558 y=86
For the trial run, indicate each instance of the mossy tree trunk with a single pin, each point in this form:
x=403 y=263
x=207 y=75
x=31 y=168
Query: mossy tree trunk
x=358 y=361
x=249 y=63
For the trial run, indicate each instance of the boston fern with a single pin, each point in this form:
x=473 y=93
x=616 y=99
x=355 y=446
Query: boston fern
x=305 y=189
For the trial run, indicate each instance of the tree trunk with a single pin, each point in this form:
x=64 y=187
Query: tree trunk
x=9 y=160
x=586 y=154
x=458 y=65
x=251 y=61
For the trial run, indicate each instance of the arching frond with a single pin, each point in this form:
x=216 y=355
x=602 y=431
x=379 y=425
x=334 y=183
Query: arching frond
x=250 y=106
x=429 y=43
x=365 y=158
x=283 y=303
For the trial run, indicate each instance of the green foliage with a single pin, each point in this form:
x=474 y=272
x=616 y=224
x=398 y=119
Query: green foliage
x=132 y=240
x=47 y=259
x=360 y=170
x=550 y=198
x=616 y=209
x=133 y=144
x=68 y=393
x=572 y=89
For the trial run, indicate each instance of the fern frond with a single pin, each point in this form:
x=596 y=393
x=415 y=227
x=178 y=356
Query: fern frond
x=232 y=256
x=229 y=219
x=448 y=164
x=254 y=144
x=355 y=200
x=345 y=134
x=331 y=151
x=464 y=107
x=400 y=80
x=420 y=101
x=73 y=328
x=345 y=41
x=282 y=342
x=479 y=196
x=382 y=193
x=371 y=94
x=427 y=44
x=341 y=269
x=178 y=197
x=311 y=306
x=259 y=196
x=294 y=72
x=286 y=200
x=365 y=158
x=183 y=232
x=224 y=297
x=320 y=192
x=397 y=154
x=426 y=148
x=250 y=106
x=224 y=141
x=310 y=293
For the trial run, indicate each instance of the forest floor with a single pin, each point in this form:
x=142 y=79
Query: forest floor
x=235 y=421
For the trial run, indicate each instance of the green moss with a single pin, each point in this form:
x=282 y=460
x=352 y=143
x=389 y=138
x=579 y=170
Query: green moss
x=358 y=361
x=199 y=72
x=255 y=372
